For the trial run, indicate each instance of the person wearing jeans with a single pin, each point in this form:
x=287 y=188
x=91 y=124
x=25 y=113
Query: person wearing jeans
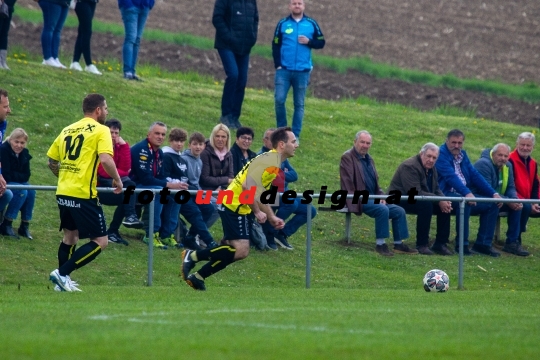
x=134 y=15
x=16 y=171
x=5 y=24
x=236 y=23
x=54 y=16
x=85 y=13
x=294 y=38
x=358 y=174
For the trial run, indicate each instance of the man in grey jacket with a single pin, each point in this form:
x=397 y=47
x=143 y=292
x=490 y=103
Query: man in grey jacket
x=494 y=166
x=419 y=172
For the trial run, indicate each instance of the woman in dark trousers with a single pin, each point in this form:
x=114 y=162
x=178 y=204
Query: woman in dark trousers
x=4 y=32
x=85 y=13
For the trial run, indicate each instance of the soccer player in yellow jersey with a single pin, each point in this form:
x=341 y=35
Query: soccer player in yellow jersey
x=234 y=214
x=74 y=157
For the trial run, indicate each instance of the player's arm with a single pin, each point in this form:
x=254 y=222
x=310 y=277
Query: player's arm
x=54 y=165
x=110 y=168
x=276 y=222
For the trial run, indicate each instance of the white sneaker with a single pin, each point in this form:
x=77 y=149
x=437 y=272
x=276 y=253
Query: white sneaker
x=59 y=280
x=92 y=69
x=50 y=62
x=59 y=64
x=75 y=66
x=73 y=284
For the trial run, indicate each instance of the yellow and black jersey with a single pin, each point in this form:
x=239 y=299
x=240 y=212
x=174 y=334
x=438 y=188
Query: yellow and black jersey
x=77 y=148
x=261 y=174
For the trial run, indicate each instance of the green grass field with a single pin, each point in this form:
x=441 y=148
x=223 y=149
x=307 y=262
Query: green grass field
x=360 y=305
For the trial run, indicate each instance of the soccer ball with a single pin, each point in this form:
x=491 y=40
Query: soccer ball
x=436 y=281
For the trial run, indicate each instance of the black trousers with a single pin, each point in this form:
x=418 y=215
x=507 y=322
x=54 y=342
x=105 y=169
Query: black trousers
x=85 y=14
x=425 y=211
x=112 y=199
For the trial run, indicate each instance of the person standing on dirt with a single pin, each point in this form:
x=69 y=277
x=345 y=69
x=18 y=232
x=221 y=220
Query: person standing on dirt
x=294 y=38
x=236 y=23
x=134 y=15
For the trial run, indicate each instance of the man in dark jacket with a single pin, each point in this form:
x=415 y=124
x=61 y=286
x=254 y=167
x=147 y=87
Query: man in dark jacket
x=236 y=23
x=147 y=172
x=419 y=172
x=294 y=38
x=357 y=173
x=456 y=178
x=493 y=165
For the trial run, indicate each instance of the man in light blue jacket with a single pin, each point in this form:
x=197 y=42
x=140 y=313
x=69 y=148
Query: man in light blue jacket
x=294 y=38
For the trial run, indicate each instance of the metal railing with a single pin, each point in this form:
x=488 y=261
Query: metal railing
x=462 y=201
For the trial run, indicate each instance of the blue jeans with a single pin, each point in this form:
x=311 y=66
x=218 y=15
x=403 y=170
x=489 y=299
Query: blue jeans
x=514 y=218
x=23 y=201
x=169 y=218
x=192 y=213
x=158 y=208
x=5 y=199
x=488 y=221
x=300 y=215
x=134 y=20
x=299 y=81
x=236 y=69
x=54 y=16
x=382 y=213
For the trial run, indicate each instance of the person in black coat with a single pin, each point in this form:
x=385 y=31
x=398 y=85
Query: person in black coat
x=15 y=159
x=236 y=23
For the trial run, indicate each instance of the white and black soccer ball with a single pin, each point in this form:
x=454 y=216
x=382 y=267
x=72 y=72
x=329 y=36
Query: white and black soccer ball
x=436 y=281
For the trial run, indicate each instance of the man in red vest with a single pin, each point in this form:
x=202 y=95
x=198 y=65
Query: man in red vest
x=525 y=176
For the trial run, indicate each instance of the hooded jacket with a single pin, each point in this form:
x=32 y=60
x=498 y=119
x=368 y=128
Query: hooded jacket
x=237 y=24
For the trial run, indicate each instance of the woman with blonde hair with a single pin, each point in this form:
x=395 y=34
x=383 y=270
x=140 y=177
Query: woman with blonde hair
x=15 y=159
x=217 y=169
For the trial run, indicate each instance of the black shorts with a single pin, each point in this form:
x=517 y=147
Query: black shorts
x=235 y=226
x=84 y=215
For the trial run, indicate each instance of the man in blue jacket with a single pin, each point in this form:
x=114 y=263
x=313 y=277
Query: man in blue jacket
x=494 y=166
x=147 y=172
x=294 y=38
x=456 y=178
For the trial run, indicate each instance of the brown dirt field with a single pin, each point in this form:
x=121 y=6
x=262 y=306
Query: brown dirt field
x=471 y=39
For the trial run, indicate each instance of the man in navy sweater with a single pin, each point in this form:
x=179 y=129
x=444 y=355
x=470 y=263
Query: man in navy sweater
x=294 y=38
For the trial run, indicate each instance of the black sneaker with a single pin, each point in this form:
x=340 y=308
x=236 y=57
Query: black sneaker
x=515 y=248
x=281 y=240
x=132 y=221
x=485 y=250
x=226 y=120
x=404 y=249
x=212 y=245
x=466 y=251
x=195 y=283
x=117 y=239
x=271 y=246
x=189 y=242
x=187 y=264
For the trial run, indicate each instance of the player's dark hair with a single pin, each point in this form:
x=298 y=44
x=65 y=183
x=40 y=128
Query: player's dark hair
x=177 y=134
x=114 y=124
x=244 y=130
x=91 y=102
x=455 y=133
x=196 y=137
x=3 y=93
x=280 y=135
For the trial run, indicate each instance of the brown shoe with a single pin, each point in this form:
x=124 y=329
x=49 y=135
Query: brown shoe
x=383 y=250
x=424 y=250
x=404 y=249
x=442 y=249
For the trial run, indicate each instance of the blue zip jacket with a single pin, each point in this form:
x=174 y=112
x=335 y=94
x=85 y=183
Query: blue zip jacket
x=141 y=4
x=448 y=178
x=142 y=165
x=287 y=51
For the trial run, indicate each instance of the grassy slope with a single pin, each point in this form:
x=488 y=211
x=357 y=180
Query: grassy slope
x=351 y=286
x=527 y=92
